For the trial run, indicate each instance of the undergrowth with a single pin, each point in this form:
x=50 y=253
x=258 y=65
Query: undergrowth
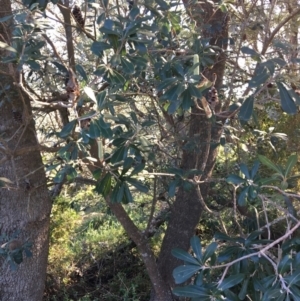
x=90 y=256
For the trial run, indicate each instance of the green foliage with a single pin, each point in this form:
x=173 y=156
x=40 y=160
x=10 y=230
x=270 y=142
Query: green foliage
x=249 y=274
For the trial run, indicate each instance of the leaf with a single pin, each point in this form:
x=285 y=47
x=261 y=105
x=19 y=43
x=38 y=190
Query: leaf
x=184 y=272
x=103 y=187
x=250 y=51
x=94 y=130
x=90 y=93
x=33 y=65
x=5 y=18
x=244 y=170
x=67 y=129
x=127 y=66
x=292 y=160
x=127 y=193
x=285 y=264
x=98 y=47
x=172 y=188
x=163 y=5
x=60 y=67
x=185 y=256
x=293 y=278
x=243 y=292
x=194 y=91
x=235 y=179
x=191 y=291
x=138 y=185
x=210 y=250
x=119 y=155
x=254 y=170
x=7 y=47
x=4 y=182
x=101 y=99
x=196 y=246
x=246 y=109
x=81 y=71
x=288 y=105
x=259 y=78
x=264 y=160
x=243 y=196
x=167 y=82
x=231 y=281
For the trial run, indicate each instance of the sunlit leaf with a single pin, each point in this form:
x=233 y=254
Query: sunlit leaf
x=90 y=93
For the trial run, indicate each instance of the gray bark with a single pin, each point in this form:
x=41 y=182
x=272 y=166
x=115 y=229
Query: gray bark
x=24 y=205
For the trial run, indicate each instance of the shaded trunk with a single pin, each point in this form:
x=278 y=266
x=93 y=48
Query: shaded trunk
x=24 y=206
x=203 y=134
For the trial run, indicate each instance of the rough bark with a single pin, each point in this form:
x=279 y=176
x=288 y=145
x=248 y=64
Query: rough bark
x=203 y=133
x=25 y=206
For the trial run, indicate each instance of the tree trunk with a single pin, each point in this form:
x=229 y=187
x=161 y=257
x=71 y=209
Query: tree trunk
x=203 y=133
x=24 y=205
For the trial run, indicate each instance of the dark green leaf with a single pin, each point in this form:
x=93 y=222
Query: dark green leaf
x=163 y=5
x=60 y=67
x=184 y=272
x=287 y=103
x=194 y=91
x=246 y=109
x=172 y=188
x=95 y=130
x=285 y=264
x=127 y=194
x=166 y=83
x=264 y=160
x=231 y=281
x=242 y=199
x=114 y=77
x=244 y=170
x=210 y=250
x=191 y=291
x=185 y=256
x=33 y=65
x=234 y=179
x=134 y=13
x=254 y=170
x=138 y=168
x=103 y=187
x=292 y=161
x=119 y=155
x=67 y=129
x=138 y=185
x=293 y=278
x=260 y=78
x=81 y=71
x=101 y=99
x=244 y=290
x=196 y=246
x=247 y=50
x=98 y=47
x=127 y=66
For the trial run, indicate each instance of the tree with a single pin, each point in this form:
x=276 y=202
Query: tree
x=160 y=89
x=24 y=199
